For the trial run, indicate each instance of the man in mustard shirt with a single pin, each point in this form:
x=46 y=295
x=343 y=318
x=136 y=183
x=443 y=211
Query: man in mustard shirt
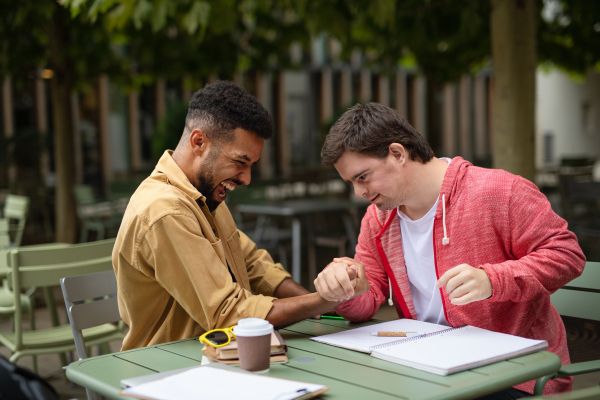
x=182 y=266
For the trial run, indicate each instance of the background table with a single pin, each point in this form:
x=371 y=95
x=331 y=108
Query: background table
x=349 y=374
x=306 y=207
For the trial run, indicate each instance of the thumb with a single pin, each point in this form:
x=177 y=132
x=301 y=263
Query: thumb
x=351 y=270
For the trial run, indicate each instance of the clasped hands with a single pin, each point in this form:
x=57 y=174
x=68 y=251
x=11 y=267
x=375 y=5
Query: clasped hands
x=345 y=278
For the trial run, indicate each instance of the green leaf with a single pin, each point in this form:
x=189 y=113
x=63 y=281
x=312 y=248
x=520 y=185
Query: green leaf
x=197 y=16
x=159 y=15
x=141 y=11
x=73 y=5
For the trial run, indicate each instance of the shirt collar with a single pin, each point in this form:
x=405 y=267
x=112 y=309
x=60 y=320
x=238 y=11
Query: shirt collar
x=176 y=177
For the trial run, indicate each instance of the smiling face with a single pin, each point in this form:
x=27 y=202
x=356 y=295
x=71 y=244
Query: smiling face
x=227 y=166
x=382 y=181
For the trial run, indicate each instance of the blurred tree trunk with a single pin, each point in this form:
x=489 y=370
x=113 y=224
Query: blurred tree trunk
x=60 y=91
x=514 y=51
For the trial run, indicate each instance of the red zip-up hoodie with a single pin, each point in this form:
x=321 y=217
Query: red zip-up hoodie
x=488 y=219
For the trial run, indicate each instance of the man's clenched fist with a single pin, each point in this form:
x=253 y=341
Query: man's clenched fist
x=466 y=284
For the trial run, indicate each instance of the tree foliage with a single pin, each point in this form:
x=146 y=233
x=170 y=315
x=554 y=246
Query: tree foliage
x=25 y=42
x=444 y=38
x=198 y=38
x=569 y=35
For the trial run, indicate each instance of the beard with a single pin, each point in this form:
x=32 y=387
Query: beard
x=205 y=180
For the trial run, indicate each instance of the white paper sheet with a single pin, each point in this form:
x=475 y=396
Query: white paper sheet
x=213 y=383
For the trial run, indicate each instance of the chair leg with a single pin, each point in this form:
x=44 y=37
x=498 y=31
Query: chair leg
x=15 y=356
x=31 y=311
x=91 y=395
x=541 y=383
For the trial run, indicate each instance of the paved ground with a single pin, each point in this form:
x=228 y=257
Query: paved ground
x=50 y=368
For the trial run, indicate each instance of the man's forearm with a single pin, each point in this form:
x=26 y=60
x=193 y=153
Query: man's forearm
x=291 y=310
x=289 y=288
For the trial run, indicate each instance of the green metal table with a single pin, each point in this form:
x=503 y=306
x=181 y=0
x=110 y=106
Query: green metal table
x=349 y=374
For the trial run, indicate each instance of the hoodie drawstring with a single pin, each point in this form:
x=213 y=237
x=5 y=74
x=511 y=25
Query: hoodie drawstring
x=390 y=301
x=445 y=240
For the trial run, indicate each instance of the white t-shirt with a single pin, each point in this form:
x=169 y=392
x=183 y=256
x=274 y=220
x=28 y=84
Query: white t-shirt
x=417 y=246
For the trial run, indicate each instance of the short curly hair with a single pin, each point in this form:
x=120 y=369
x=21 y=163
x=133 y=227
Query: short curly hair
x=221 y=107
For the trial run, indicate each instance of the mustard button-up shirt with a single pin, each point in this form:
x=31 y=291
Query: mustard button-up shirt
x=171 y=260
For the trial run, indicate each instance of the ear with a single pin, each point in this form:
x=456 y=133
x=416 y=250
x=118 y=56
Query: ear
x=398 y=152
x=199 y=142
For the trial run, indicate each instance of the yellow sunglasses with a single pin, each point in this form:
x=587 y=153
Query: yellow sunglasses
x=217 y=337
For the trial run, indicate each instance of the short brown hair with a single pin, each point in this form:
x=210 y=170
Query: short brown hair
x=370 y=129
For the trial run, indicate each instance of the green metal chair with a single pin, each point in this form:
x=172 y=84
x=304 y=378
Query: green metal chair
x=97 y=215
x=579 y=298
x=592 y=393
x=16 y=208
x=91 y=300
x=44 y=267
x=6 y=295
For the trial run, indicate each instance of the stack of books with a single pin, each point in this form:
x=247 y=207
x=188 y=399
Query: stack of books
x=229 y=354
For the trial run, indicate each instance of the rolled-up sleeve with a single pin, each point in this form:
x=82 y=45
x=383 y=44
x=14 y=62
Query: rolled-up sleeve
x=188 y=266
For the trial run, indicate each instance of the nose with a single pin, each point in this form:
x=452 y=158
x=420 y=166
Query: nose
x=245 y=177
x=359 y=191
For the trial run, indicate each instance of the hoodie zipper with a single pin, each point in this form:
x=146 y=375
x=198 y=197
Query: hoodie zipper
x=388 y=270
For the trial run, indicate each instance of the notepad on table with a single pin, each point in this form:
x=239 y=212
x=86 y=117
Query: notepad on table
x=441 y=351
x=215 y=383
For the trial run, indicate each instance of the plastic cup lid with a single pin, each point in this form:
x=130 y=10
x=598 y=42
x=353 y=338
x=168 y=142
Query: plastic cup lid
x=252 y=327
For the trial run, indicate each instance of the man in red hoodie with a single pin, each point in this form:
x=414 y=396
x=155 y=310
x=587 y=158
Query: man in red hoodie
x=448 y=242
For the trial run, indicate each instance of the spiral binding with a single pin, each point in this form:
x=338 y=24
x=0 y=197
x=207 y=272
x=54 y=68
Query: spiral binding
x=383 y=345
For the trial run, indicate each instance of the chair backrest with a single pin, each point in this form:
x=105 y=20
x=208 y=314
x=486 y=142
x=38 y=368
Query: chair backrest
x=84 y=194
x=16 y=207
x=580 y=297
x=44 y=267
x=4 y=238
x=580 y=196
x=91 y=300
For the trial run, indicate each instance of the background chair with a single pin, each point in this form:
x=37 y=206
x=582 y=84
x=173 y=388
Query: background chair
x=96 y=215
x=16 y=208
x=263 y=231
x=91 y=300
x=580 y=196
x=579 y=298
x=6 y=295
x=44 y=267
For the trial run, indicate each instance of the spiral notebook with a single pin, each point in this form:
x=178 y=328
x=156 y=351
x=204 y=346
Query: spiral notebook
x=442 y=351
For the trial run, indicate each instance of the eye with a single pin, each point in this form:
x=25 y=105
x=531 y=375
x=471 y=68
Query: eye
x=362 y=177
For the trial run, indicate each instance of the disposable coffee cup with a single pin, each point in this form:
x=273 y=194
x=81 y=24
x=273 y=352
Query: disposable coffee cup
x=254 y=344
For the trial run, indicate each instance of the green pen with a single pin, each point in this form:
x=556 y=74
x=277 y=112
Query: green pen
x=331 y=317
